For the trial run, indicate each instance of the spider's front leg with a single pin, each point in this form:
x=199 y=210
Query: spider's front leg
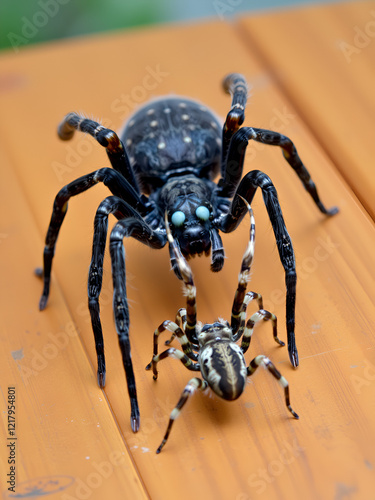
x=242 y=299
x=117 y=184
x=186 y=274
x=246 y=191
x=239 y=306
x=139 y=229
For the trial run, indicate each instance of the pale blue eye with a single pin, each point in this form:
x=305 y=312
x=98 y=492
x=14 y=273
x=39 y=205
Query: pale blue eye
x=202 y=213
x=178 y=218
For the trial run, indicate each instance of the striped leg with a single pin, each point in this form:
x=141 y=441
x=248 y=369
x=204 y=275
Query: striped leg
x=190 y=290
x=255 y=318
x=266 y=363
x=246 y=190
x=118 y=185
x=239 y=305
x=105 y=137
x=172 y=353
x=176 y=332
x=194 y=384
x=240 y=319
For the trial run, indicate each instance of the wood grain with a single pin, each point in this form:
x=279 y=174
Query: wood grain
x=242 y=450
x=323 y=58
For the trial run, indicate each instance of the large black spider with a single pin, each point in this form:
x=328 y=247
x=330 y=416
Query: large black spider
x=218 y=358
x=171 y=150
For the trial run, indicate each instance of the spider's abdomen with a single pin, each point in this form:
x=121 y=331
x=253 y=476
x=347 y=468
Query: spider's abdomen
x=224 y=368
x=170 y=136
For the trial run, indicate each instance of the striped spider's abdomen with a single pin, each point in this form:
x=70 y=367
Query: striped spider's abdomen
x=224 y=368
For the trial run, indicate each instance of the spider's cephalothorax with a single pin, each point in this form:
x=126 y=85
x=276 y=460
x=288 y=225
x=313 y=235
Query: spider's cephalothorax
x=171 y=150
x=219 y=359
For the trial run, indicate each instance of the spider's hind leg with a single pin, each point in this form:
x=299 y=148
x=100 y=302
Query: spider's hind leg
x=106 y=137
x=236 y=155
x=235 y=85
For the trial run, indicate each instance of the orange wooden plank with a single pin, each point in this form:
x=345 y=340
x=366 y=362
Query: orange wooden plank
x=323 y=57
x=67 y=439
x=250 y=447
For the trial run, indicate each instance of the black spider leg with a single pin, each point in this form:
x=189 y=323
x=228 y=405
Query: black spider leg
x=107 y=138
x=120 y=209
x=117 y=184
x=234 y=165
x=140 y=230
x=235 y=85
x=229 y=222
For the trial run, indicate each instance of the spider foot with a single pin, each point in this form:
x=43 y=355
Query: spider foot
x=148 y=367
x=43 y=302
x=293 y=412
x=44 y=298
x=134 y=416
x=330 y=211
x=293 y=354
x=101 y=372
x=161 y=446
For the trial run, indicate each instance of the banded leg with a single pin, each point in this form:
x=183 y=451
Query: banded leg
x=240 y=320
x=263 y=360
x=194 y=384
x=120 y=209
x=235 y=85
x=117 y=184
x=247 y=259
x=250 y=325
x=181 y=321
x=107 y=138
x=246 y=190
x=187 y=277
x=176 y=332
x=137 y=228
x=172 y=353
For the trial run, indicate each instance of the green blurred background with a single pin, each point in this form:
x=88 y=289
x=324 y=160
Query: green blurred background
x=25 y=22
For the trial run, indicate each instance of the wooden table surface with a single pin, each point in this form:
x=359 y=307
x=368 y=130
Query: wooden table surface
x=311 y=72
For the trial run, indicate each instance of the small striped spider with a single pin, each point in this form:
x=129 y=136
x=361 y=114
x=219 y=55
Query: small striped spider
x=217 y=357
